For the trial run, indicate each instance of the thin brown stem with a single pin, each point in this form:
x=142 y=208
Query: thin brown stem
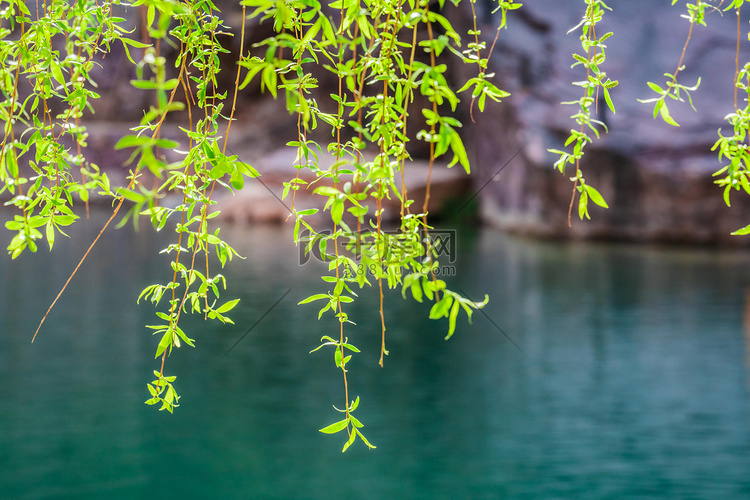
x=114 y=214
x=301 y=136
x=9 y=126
x=379 y=216
x=383 y=351
x=236 y=82
x=684 y=49
x=432 y=133
x=573 y=197
x=405 y=209
x=479 y=55
x=358 y=97
x=340 y=114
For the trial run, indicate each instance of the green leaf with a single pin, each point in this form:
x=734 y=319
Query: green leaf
x=227 y=306
x=134 y=43
x=50 y=234
x=166 y=143
x=356 y=423
x=353 y=349
x=608 y=99
x=317 y=296
x=441 y=308
x=667 y=117
x=595 y=196
x=416 y=290
x=130 y=141
x=657 y=106
x=247 y=169
x=57 y=72
x=184 y=337
x=165 y=342
x=336 y=427
x=350 y=441
x=655 y=88
x=362 y=437
x=745 y=183
x=308 y=211
x=326 y=191
x=337 y=211
x=459 y=152
x=583 y=206
x=237 y=180
x=741 y=232
x=452 y=319
x=338 y=357
x=151 y=85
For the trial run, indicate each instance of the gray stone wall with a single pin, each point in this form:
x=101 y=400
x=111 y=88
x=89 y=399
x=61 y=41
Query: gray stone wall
x=656 y=178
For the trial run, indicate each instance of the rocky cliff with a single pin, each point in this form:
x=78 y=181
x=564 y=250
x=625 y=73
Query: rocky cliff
x=656 y=178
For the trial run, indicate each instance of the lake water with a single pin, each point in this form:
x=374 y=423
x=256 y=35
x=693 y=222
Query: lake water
x=630 y=379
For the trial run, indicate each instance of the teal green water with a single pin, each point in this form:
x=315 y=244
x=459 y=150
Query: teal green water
x=631 y=380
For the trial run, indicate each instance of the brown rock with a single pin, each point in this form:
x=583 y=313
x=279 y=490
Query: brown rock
x=260 y=200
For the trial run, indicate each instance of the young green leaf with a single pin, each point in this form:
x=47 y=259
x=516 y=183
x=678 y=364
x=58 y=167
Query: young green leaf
x=595 y=196
x=335 y=427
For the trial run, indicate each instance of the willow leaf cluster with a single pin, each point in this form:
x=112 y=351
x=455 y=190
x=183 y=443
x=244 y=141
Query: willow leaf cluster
x=383 y=55
x=596 y=81
x=390 y=62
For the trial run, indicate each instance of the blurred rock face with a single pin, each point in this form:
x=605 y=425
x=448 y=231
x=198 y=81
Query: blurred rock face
x=656 y=178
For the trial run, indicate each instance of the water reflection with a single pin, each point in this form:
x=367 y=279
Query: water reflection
x=632 y=381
